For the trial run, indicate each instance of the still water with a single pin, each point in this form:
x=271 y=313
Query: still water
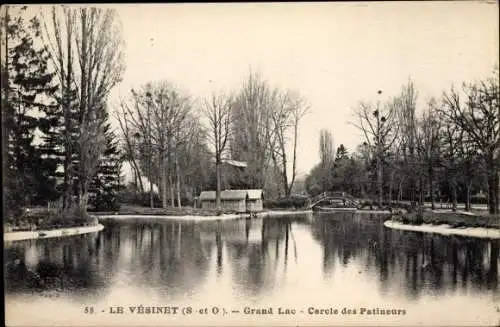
x=321 y=269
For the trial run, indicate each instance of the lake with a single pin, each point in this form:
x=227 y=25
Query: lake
x=317 y=269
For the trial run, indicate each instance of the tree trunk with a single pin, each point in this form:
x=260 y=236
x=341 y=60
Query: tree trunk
x=379 y=179
x=400 y=190
x=68 y=173
x=454 y=193
x=178 y=181
x=164 y=187
x=285 y=178
x=171 y=187
x=431 y=188
x=218 y=182
x=467 y=195
x=391 y=186
x=5 y=86
x=83 y=201
x=421 y=190
x=493 y=184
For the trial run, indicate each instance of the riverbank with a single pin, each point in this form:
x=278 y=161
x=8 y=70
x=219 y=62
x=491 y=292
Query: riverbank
x=448 y=222
x=456 y=219
x=27 y=235
x=446 y=229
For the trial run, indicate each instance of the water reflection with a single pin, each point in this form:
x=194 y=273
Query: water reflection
x=407 y=262
x=255 y=257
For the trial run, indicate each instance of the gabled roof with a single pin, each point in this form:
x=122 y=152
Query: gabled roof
x=224 y=195
x=207 y=195
x=255 y=194
x=233 y=195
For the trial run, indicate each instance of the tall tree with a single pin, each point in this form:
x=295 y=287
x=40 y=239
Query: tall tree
x=286 y=111
x=407 y=120
x=218 y=113
x=86 y=49
x=378 y=125
x=428 y=145
x=27 y=90
x=479 y=117
x=251 y=126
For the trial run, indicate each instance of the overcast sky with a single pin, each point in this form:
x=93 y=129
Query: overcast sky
x=334 y=54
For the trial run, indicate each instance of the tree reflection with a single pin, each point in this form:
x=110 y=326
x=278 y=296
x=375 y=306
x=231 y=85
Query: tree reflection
x=174 y=259
x=424 y=262
x=55 y=264
x=257 y=249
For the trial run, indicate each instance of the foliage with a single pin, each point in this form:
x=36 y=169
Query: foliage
x=106 y=183
x=287 y=203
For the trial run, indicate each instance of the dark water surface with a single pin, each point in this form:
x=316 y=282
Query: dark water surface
x=328 y=261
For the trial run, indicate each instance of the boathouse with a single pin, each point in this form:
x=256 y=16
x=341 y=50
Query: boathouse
x=234 y=200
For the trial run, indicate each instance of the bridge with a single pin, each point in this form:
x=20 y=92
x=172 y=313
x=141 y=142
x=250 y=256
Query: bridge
x=320 y=197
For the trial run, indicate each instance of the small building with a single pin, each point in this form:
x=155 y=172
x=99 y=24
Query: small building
x=255 y=200
x=234 y=200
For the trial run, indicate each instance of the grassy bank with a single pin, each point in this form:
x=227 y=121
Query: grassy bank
x=454 y=219
x=33 y=219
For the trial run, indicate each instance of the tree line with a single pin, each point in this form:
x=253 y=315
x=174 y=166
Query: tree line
x=447 y=151
x=183 y=145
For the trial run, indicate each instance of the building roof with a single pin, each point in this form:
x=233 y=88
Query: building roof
x=255 y=194
x=207 y=195
x=232 y=195
x=235 y=163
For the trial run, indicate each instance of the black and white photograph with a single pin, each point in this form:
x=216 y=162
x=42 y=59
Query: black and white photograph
x=251 y=164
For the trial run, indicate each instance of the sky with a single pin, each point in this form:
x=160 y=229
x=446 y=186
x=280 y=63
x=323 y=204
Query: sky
x=334 y=54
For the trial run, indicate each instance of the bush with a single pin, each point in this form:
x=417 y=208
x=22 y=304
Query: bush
x=287 y=203
x=139 y=199
x=50 y=219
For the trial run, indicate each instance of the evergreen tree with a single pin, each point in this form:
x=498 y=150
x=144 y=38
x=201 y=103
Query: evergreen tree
x=28 y=91
x=106 y=184
x=342 y=153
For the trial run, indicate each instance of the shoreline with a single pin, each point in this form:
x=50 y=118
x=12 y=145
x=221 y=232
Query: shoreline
x=69 y=231
x=205 y=218
x=445 y=229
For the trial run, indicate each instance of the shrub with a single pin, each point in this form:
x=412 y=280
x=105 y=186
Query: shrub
x=287 y=203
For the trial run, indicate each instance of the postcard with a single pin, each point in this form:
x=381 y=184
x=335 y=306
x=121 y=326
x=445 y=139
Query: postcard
x=251 y=164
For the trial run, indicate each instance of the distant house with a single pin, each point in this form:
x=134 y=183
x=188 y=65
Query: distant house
x=234 y=200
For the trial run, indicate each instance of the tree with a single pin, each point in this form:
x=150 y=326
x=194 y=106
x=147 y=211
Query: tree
x=159 y=116
x=86 y=49
x=407 y=120
x=380 y=131
x=106 y=183
x=252 y=128
x=428 y=145
x=342 y=153
x=286 y=111
x=27 y=90
x=129 y=145
x=479 y=118
x=326 y=152
x=218 y=113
